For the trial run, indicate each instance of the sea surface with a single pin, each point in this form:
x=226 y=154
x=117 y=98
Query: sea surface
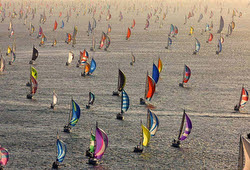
x=28 y=128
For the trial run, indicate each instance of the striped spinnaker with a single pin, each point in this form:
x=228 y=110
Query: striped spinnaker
x=125 y=101
x=101 y=143
x=187 y=129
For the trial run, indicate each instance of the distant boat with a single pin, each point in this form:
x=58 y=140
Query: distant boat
x=169 y=43
x=4 y=156
x=207 y=28
x=54 y=43
x=244 y=154
x=221 y=25
x=219 y=47
x=233 y=24
x=243 y=99
x=91 y=150
x=197 y=46
x=33 y=88
x=160 y=65
x=9 y=51
x=128 y=34
x=109 y=29
x=55 y=26
x=83 y=58
x=171 y=32
x=152 y=123
x=68 y=38
x=93 y=24
x=32 y=29
x=102 y=40
x=101 y=145
x=176 y=143
x=43 y=39
x=222 y=39
x=62 y=26
x=144 y=139
x=107 y=43
x=147 y=24
x=149 y=90
x=186 y=75
x=121 y=83
x=2 y=64
x=70 y=58
x=61 y=153
x=74 y=116
x=91 y=100
x=210 y=38
x=40 y=32
x=191 y=31
x=89 y=29
x=200 y=18
x=74 y=36
x=133 y=24
x=229 y=30
x=133 y=59
x=54 y=100
x=185 y=20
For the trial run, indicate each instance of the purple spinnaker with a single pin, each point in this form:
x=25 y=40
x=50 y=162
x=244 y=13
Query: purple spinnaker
x=101 y=143
x=187 y=129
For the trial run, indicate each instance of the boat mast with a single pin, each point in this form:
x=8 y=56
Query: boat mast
x=148 y=119
x=70 y=110
x=121 y=103
x=141 y=136
x=182 y=123
x=119 y=81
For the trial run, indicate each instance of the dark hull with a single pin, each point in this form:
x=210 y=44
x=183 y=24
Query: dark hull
x=115 y=93
x=119 y=116
x=142 y=101
x=138 y=150
x=29 y=96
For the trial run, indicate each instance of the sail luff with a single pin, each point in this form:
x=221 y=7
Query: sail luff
x=241 y=95
x=241 y=155
x=146 y=86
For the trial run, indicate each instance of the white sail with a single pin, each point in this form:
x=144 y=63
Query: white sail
x=2 y=64
x=71 y=56
x=54 y=98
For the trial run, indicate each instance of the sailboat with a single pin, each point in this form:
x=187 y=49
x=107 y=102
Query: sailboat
x=169 y=43
x=61 y=153
x=229 y=30
x=176 y=143
x=128 y=34
x=9 y=51
x=149 y=90
x=4 y=157
x=109 y=29
x=74 y=36
x=101 y=140
x=243 y=99
x=152 y=123
x=40 y=32
x=70 y=58
x=91 y=100
x=186 y=75
x=68 y=38
x=160 y=65
x=133 y=59
x=74 y=116
x=33 y=87
x=244 y=154
x=54 y=43
x=210 y=38
x=55 y=26
x=62 y=26
x=144 y=139
x=34 y=55
x=91 y=149
x=2 y=64
x=89 y=29
x=124 y=105
x=13 y=53
x=221 y=24
x=54 y=100
x=191 y=31
x=197 y=46
x=219 y=47
x=171 y=32
x=102 y=40
x=121 y=83
x=133 y=24
x=43 y=39
x=147 y=24
x=107 y=43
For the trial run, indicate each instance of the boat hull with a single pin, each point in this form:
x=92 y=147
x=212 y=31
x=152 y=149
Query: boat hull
x=87 y=106
x=93 y=161
x=31 y=62
x=115 y=93
x=119 y=116
x=29 y=96
x=138 y=149
x=142 y=101
x=67 y=129
x=181 y=85
x=89 y=154
x=28 y=84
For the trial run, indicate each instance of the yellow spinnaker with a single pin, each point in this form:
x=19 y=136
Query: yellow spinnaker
x=34 y=72
x=9 y=50
x=159 y=65
x=191 y=31
x=146 y=135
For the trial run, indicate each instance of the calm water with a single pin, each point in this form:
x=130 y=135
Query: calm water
x=28 y=127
